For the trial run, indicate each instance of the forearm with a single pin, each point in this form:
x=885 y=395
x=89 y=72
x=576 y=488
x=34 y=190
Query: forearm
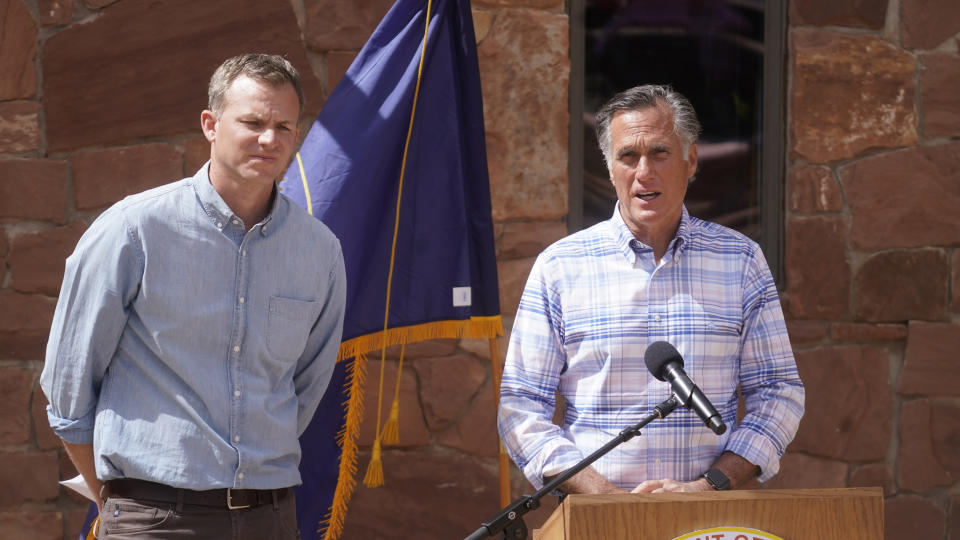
x=82 y=457
x=742 y=473
x=587 y=481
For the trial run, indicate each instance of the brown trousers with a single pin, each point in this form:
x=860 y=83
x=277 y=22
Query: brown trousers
x=133 y=519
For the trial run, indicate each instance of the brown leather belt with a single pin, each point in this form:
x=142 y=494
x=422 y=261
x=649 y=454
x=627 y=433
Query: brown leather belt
x=233 y=499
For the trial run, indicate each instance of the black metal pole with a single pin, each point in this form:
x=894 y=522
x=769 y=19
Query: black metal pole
x=510 y=519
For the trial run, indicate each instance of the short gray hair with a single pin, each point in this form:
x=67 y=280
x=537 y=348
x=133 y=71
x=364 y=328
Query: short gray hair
x=685 y=123
x=268 y=68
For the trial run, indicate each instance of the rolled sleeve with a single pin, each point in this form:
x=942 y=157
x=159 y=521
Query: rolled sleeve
x=535 y=358
x=771 y=386
x=101 y=278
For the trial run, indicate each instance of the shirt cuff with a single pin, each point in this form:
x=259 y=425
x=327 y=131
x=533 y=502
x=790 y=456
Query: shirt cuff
x=756 y=449
x=72 y=430
x=556 y=457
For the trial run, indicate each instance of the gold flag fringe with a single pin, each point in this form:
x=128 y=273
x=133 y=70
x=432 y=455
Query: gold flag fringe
x=357 y=348
x=347 y=440
x=391 y=430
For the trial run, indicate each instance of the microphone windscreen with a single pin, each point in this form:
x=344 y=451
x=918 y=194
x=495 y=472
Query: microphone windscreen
x=658 y=355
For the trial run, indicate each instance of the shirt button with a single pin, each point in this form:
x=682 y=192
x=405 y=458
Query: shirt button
x=219 y=225
x=236 y=222
x=242 y=299
x=236 y=438
x=236 y=393
x=240 y=475
x=657 y=318
x=243 y=253
x=236 y=348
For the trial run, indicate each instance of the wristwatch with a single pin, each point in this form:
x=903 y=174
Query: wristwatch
x=717 y=479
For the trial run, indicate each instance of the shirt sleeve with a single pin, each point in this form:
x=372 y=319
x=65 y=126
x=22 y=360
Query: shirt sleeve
x=315 y=366
x=535 y=359
x=771 y=387
x=101 y=279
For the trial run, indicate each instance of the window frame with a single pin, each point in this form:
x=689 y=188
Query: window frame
x=772 y=157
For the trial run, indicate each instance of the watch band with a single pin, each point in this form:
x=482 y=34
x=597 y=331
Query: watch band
x=717 y=479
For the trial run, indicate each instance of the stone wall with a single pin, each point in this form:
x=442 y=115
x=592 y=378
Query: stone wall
x=872 y=258
x=101 y=98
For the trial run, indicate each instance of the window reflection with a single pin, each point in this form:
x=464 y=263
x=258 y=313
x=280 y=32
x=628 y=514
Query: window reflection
x=712 y=52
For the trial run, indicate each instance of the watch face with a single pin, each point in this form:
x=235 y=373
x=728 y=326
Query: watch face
x=717 y=479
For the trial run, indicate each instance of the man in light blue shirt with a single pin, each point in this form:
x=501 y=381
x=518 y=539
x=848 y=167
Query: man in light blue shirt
x=597 y=299
x=197 y=329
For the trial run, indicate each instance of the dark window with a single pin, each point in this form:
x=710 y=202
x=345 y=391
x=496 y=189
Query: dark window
x=726 y=56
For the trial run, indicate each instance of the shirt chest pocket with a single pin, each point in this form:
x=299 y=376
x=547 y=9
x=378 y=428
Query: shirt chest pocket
x=288 y=326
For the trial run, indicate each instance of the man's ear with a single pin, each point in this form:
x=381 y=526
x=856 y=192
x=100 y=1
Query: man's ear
x=692 y=160
x=208 y=123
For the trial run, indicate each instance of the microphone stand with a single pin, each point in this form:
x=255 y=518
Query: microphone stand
x=510 y=520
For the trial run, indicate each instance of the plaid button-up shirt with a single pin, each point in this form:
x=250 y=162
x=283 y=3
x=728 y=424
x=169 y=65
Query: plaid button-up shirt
x=593 y=303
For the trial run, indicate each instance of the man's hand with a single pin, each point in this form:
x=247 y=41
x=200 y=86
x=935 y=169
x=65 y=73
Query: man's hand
x=82 y=457
x=667 y=485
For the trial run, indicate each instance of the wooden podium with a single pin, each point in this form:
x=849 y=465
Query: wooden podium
x=791 y=514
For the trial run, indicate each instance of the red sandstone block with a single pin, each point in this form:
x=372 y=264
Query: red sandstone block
x=902 y=285
x=861 y=332
x=4 y=244
x=103 y=177
x=955 y=264
x=917 y=467
x=19 y=127
x=33 y=473
x=813 y=188
x=938 y=96
x=910 y=516
x=23 y=344
x=856 y=13
x=37 y=259
x=33 y=189
x=15 y=387
x=925 y=24
x=818 y=269
x=873 y=475
x=19 y=51
x=25 y=312
x=931 y=367
x=806 y=332
x=46 y=439
x=196 y=152
x=32 y=525
x=55 y=12
x=851 y=417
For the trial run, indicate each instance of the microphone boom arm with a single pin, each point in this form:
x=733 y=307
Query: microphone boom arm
x=510 y=519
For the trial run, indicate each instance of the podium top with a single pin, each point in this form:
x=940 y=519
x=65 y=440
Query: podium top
x=791 y=514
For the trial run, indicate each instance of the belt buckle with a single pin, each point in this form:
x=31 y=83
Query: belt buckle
x=230 y=505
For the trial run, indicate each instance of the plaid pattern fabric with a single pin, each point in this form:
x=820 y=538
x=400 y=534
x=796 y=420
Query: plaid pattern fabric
x=592 y=304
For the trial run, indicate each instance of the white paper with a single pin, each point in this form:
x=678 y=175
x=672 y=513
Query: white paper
x=78 y=484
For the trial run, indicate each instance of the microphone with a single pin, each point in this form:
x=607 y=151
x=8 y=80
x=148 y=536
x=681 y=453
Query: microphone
x=665 y=363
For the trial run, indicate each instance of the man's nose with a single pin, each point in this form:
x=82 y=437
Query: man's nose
x=268 y=137
x=644 y=167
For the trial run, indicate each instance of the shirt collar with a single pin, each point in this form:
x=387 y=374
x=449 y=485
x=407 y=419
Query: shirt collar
x=630 y=246
x=220 y=213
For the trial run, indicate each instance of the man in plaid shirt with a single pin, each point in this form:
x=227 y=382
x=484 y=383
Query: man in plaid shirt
x=595 y=300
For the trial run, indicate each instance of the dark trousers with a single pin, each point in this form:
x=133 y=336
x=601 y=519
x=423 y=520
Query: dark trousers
x=135 y=519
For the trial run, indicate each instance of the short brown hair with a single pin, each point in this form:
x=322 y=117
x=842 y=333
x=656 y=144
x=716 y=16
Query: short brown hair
x=269 y=68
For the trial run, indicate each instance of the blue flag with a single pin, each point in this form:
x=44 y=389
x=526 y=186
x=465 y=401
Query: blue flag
x=396 y=166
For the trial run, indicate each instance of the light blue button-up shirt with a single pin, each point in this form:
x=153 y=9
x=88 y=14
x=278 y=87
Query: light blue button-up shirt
x=594 y=302
x=188 y=351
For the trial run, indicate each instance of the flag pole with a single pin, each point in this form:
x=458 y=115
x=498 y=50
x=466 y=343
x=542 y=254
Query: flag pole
x=504 y=460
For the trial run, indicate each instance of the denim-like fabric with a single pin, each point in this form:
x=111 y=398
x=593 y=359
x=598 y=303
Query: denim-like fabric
x=188 y=351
